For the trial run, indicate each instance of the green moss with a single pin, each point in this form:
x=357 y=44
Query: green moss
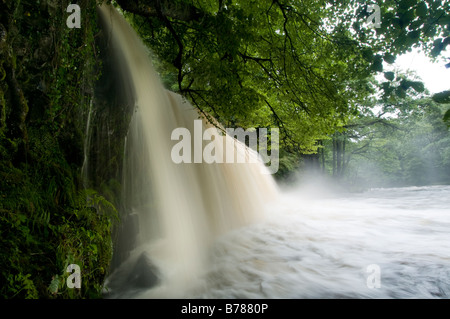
x=2 y=111
x=47 y=219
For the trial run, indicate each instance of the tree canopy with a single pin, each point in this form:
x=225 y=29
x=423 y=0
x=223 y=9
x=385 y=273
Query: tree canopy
x=306 y=67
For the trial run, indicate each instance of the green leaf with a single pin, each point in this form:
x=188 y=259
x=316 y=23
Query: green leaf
x=429 y=30
x=445 y=42
x=447 y=117
x=407 y=17
x=400 y=41
x=377 y=64
x=388 y=90
x=416 y=24
x=421 y=9
x=404 y=4
x=367 y=54
x=389 y=58
x=438 y=46
x=414 y=35
x=54 y=285
x=389 y=75
x=418 y=86
x=442 y=97
x=401 y=93
x=405 y=84
x=445 y=19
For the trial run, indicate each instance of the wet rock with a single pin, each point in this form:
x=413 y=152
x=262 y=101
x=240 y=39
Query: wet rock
x=144 y=273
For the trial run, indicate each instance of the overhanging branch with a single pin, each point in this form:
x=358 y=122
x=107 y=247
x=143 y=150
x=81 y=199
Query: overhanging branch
x=150 y=8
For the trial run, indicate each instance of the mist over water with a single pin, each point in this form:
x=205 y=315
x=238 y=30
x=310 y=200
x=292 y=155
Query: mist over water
x=225 y=231
x=320 y=247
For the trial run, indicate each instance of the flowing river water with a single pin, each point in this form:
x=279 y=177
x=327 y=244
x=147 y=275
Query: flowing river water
x=209 y=231
x=383 y=243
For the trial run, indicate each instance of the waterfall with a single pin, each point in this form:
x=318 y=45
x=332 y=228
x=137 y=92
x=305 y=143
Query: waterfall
x=86 y=146
x=171 y=213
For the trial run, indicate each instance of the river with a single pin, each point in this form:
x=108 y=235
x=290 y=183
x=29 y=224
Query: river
x=383 y=243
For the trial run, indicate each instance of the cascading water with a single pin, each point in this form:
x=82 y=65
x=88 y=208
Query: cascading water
x=177 y=237
x=173 y=211
x=86 y=146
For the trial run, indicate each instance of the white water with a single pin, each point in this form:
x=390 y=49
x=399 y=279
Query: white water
x=320 y=247
x=207 y=230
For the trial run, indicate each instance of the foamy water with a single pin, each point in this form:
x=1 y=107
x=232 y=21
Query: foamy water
x=320 y=248
x=312 y=247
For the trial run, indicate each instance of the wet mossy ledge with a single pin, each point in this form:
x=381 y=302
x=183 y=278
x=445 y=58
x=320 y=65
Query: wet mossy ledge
x=59 y=179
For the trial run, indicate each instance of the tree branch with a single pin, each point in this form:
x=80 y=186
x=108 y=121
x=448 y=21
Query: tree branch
x=158 y=12
x=283 y=128
x=152 y=8
x=379 y=120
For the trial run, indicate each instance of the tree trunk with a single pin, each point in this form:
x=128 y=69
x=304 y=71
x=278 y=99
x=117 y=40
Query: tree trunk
x=322 y=156
x=338 y=156
x=334 y=155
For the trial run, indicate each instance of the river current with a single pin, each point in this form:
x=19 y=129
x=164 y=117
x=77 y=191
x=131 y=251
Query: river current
x=383 y=243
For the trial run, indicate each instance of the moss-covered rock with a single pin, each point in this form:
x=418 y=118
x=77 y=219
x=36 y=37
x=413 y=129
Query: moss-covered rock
x=48 y=219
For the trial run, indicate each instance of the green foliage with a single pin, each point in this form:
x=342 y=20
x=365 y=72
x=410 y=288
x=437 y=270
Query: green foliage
x=260 y=64
x=303 y=66
x=86 y=229
x=442 y=97
x=47 y=219
x=42 y=234
x=410 y=147
x=404 y=24
x=389 y=75
x=288 y=163
x=447 y=117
